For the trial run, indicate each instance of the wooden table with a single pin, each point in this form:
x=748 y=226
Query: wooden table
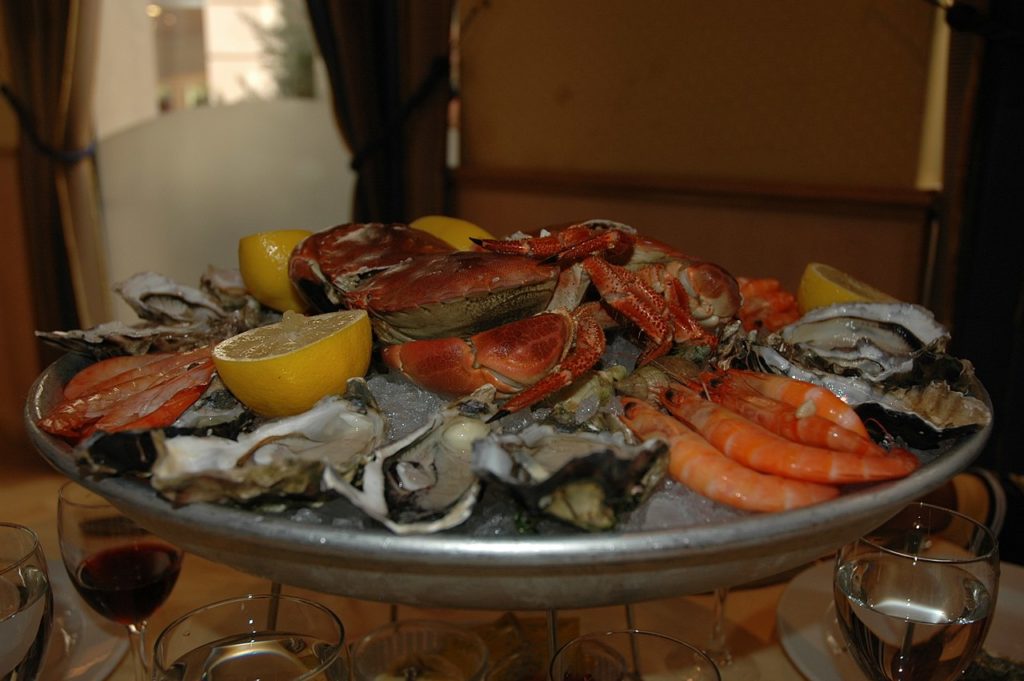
x=28 y=495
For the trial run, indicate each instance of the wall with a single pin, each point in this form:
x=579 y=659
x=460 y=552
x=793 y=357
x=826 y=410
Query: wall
x=126 y=90
x=761 y=135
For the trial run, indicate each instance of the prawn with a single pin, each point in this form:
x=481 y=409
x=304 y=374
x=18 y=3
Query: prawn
x=755 y=447
x=694 y=462
x=786 y=420
x=798 y=394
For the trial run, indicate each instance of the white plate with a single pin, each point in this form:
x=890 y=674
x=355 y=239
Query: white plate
x=83 y=645
x=809 y=636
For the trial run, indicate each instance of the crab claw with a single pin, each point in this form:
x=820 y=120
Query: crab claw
x=510 y=357
x=537 y=355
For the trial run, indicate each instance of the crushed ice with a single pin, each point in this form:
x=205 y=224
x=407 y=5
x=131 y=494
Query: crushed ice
x=407 y=407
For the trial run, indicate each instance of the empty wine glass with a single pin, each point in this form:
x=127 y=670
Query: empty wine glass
x=719 y=648
x=263 y=636
x=630 y=655
x=407 y=650
x=123 y=571
x=26 y=603
x=914 y=598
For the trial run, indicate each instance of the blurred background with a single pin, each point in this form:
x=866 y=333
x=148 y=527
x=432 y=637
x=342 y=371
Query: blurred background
x=882 y=137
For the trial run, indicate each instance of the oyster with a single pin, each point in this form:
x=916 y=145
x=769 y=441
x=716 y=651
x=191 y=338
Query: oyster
x=281 y=457
x=173 y=317
x=889 y=361
x=871 y=340
x=585 y=479
x=160 y=299
x=423 y=482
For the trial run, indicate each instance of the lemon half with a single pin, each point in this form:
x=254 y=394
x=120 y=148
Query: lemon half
x=285 y=368
x=822 y=285
x=263 y=263
x=454 y=231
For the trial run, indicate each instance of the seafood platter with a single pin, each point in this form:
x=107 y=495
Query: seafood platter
x=572 y=417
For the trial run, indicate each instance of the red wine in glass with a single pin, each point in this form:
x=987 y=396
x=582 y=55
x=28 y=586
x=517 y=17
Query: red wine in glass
x=123 y=571
x=128 y=583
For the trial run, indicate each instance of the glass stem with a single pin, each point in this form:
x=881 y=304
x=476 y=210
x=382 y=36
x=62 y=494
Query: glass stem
x=137 y=645
x=718 y=649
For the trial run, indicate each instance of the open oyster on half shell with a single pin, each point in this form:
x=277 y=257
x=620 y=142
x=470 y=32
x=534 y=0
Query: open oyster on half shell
x=585 y=479
x=172 y=316
x=888 y=360
x=283 y=457
x=423 y=482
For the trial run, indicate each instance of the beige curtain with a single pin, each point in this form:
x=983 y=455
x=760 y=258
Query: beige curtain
x=51 y=48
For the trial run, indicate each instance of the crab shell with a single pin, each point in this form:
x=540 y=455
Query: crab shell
x=325 y=265
x=413 y=285
x=454 y=294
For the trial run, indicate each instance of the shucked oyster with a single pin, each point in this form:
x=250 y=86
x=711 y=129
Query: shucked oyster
x=888 y=361
x=173 y=317
x=283 y=457
x=423 y=482
x=871 y=340
x=586 y=479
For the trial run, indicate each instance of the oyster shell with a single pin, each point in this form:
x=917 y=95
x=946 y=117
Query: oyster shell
x=871 y=340
x=423 y=482
x=889 y=361
x=173 y=317
x=585 y=479
x=157 y=298
x=281 y=457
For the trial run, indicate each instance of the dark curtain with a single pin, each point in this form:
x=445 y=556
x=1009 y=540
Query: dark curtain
x=388 y=65
x=989 y=311
x=51 y=45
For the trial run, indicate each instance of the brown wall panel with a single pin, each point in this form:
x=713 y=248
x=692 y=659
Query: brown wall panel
x=785 y=91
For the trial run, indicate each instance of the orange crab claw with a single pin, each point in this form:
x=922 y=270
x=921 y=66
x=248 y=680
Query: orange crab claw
x=537 y=355
x=510 y=357
x=586 y=351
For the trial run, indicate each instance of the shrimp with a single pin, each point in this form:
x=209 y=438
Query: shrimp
x=786 y=420
x=799 y=393
x=755 y=447
x=694 y=462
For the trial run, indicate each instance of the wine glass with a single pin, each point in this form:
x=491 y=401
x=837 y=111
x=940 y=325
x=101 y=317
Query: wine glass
x=419 y=649
x=26 y=603
x=123 y=571
x=630 y=654
x=264 y=636
x=914 y=598
x=718 y=648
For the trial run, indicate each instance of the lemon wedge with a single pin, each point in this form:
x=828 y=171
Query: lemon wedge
x=454 y=231
x=822 y=285
x=263 y=263
x=285 y=368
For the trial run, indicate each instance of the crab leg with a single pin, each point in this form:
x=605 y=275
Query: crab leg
x=568 y=245
x=660 y=317
x=694 y=462
x=757 y=448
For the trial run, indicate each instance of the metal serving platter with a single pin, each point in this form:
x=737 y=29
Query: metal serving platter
x=452 y=570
